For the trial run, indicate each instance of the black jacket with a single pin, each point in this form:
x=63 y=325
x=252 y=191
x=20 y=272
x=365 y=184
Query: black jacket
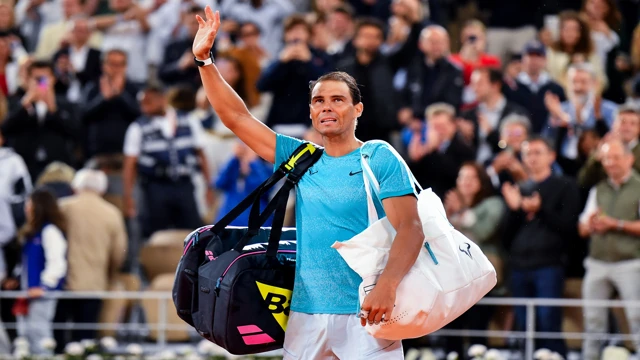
x=493 y=138
x=446 y=87
x=543 y=241
x=440 y=170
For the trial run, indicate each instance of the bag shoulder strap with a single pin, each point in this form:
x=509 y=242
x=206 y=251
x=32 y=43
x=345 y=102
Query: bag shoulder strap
x=303 y=152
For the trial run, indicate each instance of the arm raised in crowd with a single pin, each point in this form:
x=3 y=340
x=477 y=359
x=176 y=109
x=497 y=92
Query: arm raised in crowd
x=225 y=101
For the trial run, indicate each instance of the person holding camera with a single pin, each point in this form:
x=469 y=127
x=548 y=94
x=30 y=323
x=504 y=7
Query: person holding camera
x=472 y=55
x=41 y=129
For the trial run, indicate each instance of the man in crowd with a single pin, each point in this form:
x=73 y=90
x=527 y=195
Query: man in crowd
x=611 y=218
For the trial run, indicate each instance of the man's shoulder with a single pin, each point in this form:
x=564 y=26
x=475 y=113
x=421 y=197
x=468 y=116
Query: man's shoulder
x=380 y=153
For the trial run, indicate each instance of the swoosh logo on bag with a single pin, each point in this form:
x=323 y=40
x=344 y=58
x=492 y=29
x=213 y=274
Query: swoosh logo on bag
x=467 y=250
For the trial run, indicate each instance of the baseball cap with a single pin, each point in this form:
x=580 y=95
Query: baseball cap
x=535 y=47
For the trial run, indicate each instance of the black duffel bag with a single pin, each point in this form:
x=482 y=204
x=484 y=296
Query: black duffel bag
x=234 y=284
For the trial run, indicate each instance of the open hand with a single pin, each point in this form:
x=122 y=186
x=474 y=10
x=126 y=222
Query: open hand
x=207 y=31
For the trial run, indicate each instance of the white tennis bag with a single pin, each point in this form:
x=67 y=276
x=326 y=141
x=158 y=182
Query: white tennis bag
x=450 y=275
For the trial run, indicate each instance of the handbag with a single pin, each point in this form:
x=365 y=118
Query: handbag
x=234 y=284
x=450 y=275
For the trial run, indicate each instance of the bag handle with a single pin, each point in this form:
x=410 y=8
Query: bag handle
x=301 y=160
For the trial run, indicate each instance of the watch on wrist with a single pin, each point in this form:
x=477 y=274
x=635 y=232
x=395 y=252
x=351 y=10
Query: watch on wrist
x=620 y=225
x=206 y=62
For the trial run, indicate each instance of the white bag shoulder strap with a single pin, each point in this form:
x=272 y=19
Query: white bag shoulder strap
x=371 y=181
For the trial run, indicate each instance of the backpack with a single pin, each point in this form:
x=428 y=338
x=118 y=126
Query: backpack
x=234 y=284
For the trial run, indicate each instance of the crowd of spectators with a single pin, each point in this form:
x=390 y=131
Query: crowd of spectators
x=523 y=116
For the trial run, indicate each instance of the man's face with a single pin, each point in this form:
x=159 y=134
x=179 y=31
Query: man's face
x=368 y=39
x=152 y=104
x=581 y=82
x=297 y=34
x=339 y=23
x=115 y=64
x=81 y=31
x=332 y=110
x=71 y=7
x=443 y=124
x=534 y=63
x=514 y=135
x=191 y=23
x=481 y=85
x=249 y=34
x=628 y=126
x=616 y=162
x=537 y=157
x=434 y=43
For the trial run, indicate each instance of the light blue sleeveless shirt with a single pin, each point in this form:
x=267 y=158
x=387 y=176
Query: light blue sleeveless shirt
x=331 y=205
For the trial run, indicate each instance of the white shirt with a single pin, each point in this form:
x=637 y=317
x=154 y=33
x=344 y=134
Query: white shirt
x=13 y=169
x=493 y=118
x=78 y=59
x=133 y=137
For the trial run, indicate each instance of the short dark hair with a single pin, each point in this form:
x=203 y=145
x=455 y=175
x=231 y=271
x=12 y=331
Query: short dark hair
x=296 y=20
x=40 y=64
x=341 y=76
x=155 y=89
x=495 y=74
x=369 y=21
x=345 y=9
x=118 y=52
x=543 y=140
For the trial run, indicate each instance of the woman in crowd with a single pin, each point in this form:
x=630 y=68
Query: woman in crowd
x=574 y=45
x=44 y=267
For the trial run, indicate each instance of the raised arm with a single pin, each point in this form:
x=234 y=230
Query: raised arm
x=225 y=101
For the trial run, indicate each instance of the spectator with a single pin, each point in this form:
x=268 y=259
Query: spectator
x=506 y=165
x=57 y=178
x=126 y=31
x=437 y=160
x=269 y=15
x=481 y=124
x=97 y=243
x=44 y=266
x=164 y=169
x=541 y=221
x=583 y=110
x=573 y=45
x=614 y=252
x=298 y=63
x=241 y=175
x=604 y=21
x=626 y=128
x=474 y=209
x=251 y=58
x=15 y=182
x=341 y=28
x=177 y=66
x=374 y=73
x=9 y=64
x=44 y=119
x=56 y=35
x=431 y=77
x=77 y=63
x=110 y=105
x=472 y=56
x=532 y=84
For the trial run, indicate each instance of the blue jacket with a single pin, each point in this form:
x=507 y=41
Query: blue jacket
x=44 y=262
x=229 y=182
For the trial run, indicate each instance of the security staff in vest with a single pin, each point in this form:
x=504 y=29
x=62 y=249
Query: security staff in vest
x=612 y=219
x=163 y=148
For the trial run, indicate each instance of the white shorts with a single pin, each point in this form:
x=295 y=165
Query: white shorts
x=328 y=336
